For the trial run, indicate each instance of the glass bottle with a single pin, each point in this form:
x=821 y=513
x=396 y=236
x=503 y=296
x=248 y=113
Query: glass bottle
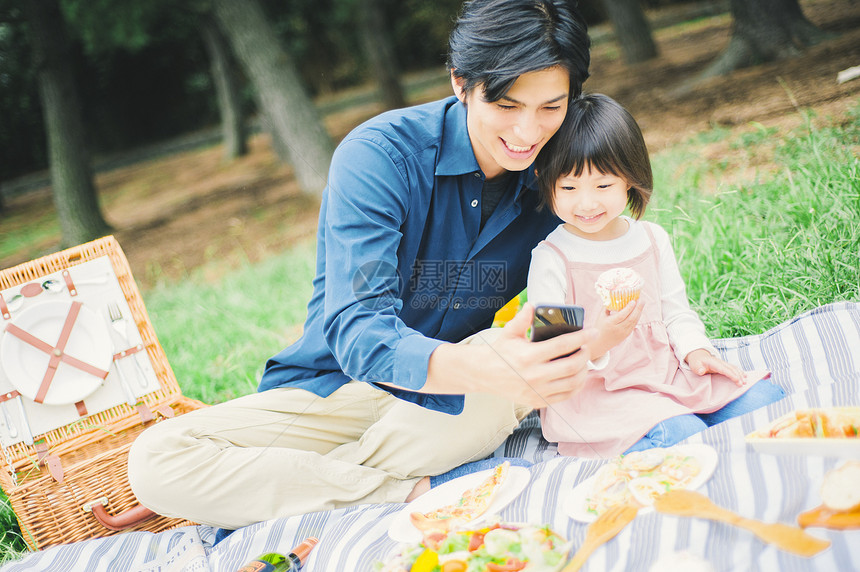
x=277 y=562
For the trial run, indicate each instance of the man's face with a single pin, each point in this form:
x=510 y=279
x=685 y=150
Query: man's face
x=507 y=134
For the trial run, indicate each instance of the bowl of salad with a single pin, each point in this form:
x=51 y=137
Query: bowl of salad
x=497 y=547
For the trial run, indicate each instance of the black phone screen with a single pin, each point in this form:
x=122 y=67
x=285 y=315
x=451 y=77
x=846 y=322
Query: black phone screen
x=551 y=321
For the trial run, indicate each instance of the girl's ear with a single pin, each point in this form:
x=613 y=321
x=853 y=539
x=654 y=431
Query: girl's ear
x=457 y=84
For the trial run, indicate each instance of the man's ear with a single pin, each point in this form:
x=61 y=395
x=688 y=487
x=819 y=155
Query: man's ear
x=457 y=84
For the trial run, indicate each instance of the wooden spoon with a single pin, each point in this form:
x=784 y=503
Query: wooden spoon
x=828 y=518
x=682 y=502
x=601 y=530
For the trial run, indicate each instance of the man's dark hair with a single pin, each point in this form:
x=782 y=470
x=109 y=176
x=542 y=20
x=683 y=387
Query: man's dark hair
x=600 y=134
x=494 y=42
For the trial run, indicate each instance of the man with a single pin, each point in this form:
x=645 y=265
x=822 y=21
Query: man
x=425 y=230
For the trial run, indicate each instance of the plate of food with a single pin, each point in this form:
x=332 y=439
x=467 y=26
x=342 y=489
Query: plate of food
x=495 y=546
x=639 y=478
x=459 y=503
x=825 y=432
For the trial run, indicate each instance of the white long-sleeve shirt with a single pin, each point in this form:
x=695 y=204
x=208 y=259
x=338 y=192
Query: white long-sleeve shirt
x=547 y=281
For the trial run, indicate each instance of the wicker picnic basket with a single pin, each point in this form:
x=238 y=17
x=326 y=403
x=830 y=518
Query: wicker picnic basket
x=71 y=483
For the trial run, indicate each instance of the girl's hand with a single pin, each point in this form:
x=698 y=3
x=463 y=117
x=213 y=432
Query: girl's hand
x=701 y=361
x=614 y=327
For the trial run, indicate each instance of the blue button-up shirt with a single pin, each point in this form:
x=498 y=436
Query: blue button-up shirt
x=402 y=262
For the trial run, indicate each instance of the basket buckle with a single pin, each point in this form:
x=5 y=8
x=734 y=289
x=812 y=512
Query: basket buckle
x=88 y=507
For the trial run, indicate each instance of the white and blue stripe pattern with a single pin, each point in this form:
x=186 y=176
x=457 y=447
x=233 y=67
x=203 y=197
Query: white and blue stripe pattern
x=814 y=357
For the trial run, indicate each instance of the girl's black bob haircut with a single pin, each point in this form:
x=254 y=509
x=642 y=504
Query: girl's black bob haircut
x=494 y=42
x=600 y=134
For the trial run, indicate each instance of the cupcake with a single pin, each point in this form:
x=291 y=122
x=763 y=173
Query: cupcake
x=618 y=286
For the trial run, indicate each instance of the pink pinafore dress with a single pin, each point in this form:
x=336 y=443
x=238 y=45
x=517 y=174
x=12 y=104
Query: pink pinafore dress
x=643 y=383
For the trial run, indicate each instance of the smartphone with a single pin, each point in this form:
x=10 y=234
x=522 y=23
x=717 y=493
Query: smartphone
x=552 y=321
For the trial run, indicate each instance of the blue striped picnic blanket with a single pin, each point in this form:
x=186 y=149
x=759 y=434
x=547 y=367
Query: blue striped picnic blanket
x=814 y=357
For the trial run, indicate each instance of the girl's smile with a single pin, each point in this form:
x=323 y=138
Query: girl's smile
x=590 y=204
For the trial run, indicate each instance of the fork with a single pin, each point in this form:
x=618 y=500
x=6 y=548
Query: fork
x=120 y=324
x=600 y=531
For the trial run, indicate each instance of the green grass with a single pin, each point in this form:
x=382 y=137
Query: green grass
x=764 y=231
x=28 y=239
x=764 y=248
x=218 y=335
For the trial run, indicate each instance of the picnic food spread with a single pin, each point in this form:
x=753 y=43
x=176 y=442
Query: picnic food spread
x=496 y=548
x=472 y=503
x=618 y=286
x=641 y=476
x=834 y=422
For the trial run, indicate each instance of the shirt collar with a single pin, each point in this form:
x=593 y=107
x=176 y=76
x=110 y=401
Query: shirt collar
x=456 y=157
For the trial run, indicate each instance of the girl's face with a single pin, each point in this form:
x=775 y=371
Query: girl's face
x=590 y=204
x=507 y=134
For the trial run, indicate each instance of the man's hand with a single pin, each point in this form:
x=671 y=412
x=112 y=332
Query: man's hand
x=510 y=365
x=614 y=327
x=701 y=361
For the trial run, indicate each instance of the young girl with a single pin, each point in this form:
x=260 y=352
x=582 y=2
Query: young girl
x=664 y=380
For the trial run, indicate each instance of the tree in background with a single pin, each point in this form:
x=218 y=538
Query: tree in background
x=227 y=89
x=764 y=30
x=21 y=127
x=74 y=193
x=114 y=31
x=632 y=30
x=379 y=50
x=279 y=90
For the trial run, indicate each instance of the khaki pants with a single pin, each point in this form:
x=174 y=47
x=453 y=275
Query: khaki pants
x=287 y=451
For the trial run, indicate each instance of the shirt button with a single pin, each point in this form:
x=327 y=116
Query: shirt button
x=478 y=175
x=474 y=203
x=456 y=305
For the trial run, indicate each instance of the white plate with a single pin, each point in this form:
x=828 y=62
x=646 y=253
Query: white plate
x=401 y=528
x=846 y=448
x=25 y=366
x=575 y=505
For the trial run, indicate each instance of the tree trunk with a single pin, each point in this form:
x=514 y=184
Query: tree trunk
x=74 y=193
x=227 y=90
x=279 y=90
x=632 y=30
x=763 y=31
x=279 y=146
x=379 y=50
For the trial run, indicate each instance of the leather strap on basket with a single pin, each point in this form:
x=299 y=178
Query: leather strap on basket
x=129 y=352
x=52 y=462
x=166 y=411
x=9 y=395
x=145 y=413
x=126 y=519
x=56 y=352
x=4 y=309
x=70 y=283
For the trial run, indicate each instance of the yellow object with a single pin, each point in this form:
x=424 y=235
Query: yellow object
x=426 y=562
x=509 y=310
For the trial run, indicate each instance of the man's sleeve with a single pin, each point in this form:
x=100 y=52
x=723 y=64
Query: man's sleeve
x=367 y=209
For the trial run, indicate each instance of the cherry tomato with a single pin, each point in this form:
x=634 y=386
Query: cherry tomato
x=512 y=565
x=476 y=541
x=432 y=540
